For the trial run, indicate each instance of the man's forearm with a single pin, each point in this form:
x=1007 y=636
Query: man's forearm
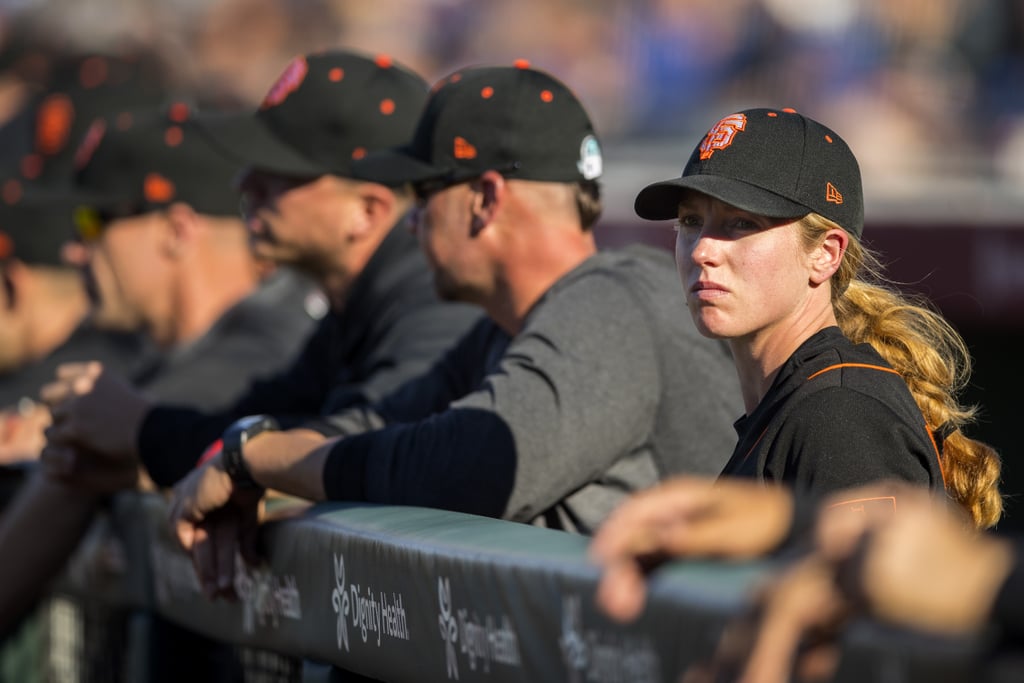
x=291 y=461
x=34 y=558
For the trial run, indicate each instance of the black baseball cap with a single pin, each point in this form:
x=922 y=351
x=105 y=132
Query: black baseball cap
x=30 y=234
x=772 y=162
x=146 y=160
x=514 y=119
x=79 y=89
x=324 y=111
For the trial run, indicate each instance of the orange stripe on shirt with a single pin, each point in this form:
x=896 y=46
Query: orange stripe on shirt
x=931 y=436
x=852 y=365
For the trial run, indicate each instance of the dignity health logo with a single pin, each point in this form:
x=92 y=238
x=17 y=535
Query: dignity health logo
x=603 y=656
x=481 y=641
x=367 y=612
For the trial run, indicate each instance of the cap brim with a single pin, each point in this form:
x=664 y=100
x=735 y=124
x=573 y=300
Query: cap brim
x=244 y=139
x=394 y=167
x=69 y=196
x=660 y=201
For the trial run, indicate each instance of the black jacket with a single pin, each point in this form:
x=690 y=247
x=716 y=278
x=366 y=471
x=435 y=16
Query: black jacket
x=392 y=330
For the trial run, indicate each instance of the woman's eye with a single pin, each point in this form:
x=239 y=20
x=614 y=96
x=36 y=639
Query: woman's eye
x=743 y=225
x=687 y=223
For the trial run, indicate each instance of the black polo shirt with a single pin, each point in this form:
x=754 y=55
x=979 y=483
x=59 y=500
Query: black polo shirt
x=837 y=415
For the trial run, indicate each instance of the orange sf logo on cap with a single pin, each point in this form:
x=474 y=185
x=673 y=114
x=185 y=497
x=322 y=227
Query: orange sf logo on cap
x=287 y=83
x=722 y=134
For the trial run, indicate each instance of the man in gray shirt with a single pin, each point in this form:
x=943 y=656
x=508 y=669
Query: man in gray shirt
x=587 y=380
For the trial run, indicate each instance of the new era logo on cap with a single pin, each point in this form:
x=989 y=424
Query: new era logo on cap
x=772 y=162
x=515 y=119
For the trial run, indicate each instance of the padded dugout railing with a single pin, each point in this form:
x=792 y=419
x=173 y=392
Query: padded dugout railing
x=412 y=594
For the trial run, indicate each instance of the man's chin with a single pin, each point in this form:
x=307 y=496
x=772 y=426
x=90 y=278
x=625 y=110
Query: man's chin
x=112 y=321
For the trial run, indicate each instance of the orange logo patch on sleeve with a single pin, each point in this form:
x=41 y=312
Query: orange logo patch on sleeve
x=287 y=83
x=463 y=149
x=881 y=506
x=157 y=188
x=722 y=134
x=833 y=195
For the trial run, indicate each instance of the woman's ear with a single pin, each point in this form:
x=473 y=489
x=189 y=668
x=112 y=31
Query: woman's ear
x=828 y=255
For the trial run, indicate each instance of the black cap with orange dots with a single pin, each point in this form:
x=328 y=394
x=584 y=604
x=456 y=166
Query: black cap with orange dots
x=514 y=119
x=146 y=160
x=324 y=111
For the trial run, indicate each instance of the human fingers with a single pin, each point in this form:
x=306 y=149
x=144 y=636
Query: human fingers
x=71 y=379
x=204 y=561
x=631 y=528
x=249 y=523
x=732 y=528
x=54 y=393
x=621 y=591
x=804 y=599
x=181 y=511
x=78 y=370
x=224 y=531
x=694 y=517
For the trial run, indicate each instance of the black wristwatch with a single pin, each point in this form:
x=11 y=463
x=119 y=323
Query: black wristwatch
x=234 y=439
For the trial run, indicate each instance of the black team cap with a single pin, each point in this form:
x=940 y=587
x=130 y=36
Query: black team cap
x=517 y=120
x=30 y=234
x=771 y=162
x=80 y=89
x=324 y=111
x=146 y=160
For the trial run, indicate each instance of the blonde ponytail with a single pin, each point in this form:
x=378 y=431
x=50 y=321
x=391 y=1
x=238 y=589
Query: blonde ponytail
x=932 y=359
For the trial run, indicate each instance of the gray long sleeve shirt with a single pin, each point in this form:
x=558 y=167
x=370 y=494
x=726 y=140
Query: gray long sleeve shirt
x=607 y=388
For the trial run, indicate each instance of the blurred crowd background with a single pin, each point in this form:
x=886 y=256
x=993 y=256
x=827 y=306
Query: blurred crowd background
x=928 y=92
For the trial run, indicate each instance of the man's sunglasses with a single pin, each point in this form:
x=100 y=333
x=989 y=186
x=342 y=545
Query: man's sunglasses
x=90 y=222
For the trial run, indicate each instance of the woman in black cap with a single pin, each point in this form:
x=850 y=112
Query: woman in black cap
x=844 y=380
